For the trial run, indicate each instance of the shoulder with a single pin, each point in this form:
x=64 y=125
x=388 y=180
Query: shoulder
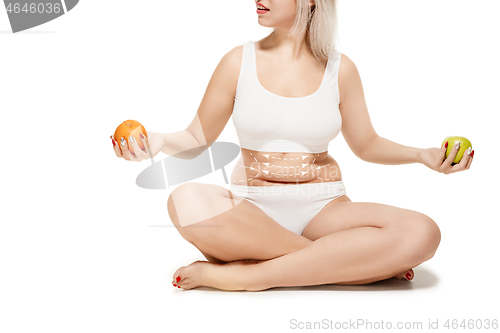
x=231 y=61
x=349 y=80
x=226 y=74
x=230 y=64
x=347 y=68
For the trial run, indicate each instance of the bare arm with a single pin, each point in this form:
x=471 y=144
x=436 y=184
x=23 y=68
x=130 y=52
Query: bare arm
x=214 y=111
x=357 y=128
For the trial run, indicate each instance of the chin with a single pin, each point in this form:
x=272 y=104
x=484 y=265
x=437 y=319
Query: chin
x=266 y=26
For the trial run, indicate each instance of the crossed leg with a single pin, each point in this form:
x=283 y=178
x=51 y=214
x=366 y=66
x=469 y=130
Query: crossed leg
x=345 y=243
x=204 y=215
x=343 y=214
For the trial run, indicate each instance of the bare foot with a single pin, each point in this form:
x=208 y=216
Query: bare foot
x=408 y=275
x=227 y=276
x=206 y=274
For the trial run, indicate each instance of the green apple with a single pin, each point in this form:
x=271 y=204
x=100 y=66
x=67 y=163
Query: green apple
x=452 y=140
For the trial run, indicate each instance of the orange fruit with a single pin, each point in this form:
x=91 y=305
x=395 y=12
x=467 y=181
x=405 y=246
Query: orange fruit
x=130 y=128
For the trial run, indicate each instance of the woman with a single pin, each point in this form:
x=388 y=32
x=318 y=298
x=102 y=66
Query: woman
x=287 y=220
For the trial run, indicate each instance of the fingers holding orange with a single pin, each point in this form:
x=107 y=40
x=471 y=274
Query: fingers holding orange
x=125 y=149
x=145 y=140
x=116 y=147
x=135 y=146
x=130 y=130
x=128 y=139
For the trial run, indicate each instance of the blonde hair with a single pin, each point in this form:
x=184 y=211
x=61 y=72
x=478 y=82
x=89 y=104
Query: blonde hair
x=320 y=23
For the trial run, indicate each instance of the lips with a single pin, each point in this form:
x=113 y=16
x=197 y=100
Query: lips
x=260 y=4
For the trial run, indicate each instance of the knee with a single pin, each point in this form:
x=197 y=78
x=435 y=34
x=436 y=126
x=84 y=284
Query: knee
x=193 y=203
x=181 y=201
x=422 y=239
x=184 y=192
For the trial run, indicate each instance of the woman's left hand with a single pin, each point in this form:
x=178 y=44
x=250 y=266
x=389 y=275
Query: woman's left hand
x=433 y=158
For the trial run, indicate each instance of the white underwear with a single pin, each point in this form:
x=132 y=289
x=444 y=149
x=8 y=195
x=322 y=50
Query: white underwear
x=292 y=206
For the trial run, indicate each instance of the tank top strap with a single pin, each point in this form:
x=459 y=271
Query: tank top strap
x=246 y=77
x=332 y=71
x=252 y=62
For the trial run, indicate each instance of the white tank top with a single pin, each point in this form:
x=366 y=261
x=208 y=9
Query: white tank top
x=265 y=121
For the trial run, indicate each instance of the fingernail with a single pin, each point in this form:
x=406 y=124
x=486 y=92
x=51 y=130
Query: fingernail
x=122 y=141
x=142 y=136
x=446 y=144
x=131 y=138
x=472 y=154
x=408 y=276
x=178 y=287
x=177 y=279
x=114 y=144
x=175 y=285
x=457 y=145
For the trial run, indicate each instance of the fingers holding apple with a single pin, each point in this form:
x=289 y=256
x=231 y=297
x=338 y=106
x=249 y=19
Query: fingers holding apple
x=458 y=152
x=457 y=145
x=451 y=155
x=466 y=160
x=471 y=156
x=444 y=149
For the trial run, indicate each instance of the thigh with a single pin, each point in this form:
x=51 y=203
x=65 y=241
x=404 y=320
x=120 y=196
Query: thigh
x=193 y=202
x=205 y=216
x=342 y=214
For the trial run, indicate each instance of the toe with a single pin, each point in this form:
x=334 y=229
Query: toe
x=177 y=277
x=408 y=275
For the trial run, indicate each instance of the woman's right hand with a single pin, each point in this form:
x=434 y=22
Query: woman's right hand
x=152 y=146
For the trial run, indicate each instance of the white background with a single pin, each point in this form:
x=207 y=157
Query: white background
x=82 y=248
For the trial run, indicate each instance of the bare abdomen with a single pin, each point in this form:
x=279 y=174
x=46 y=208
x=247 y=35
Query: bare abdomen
x=257 y=168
